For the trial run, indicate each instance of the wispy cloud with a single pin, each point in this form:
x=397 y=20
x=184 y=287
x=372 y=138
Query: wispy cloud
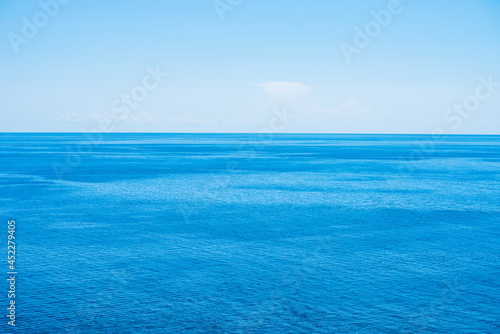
x=351 y=108
x=284 y=90
x=128 y=118
x=66 y=118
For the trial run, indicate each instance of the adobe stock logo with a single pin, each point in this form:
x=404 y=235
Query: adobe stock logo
x=454 y=118
x=372 y=29
x=471 y=103
x=139 y=93
x=223 y=6
x=30 y=28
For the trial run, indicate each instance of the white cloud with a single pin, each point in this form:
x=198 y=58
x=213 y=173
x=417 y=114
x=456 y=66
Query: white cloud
x=284 y=90
x=66 y=118
x=132 y=118
x=353 y=106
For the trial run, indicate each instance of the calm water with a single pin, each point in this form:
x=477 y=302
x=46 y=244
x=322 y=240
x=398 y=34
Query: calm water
x=231 y=234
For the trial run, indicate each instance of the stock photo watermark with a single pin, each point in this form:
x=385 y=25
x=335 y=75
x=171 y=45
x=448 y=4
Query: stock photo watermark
x=223 y=6
x=471 y=103
x=88 y=308
x=453 y=118
x=429 y=315
x=371 y=30
x=275 y=304
x=12 y=272
x=276 y=124
x=121 y=108
x=123 y=105
x=31 y=26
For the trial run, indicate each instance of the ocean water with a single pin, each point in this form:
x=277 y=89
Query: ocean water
x=205 y=233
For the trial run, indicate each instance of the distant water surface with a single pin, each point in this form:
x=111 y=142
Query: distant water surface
x=227 y=233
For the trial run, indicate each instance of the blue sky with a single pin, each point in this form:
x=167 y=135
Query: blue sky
x=232 y=65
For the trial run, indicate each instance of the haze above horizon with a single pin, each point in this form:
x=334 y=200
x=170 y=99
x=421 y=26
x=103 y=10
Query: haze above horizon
x=229 y=66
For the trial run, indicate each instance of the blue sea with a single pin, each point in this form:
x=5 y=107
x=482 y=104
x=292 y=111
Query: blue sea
x=237 y=233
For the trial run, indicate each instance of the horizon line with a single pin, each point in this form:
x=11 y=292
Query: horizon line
x=258 y=133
